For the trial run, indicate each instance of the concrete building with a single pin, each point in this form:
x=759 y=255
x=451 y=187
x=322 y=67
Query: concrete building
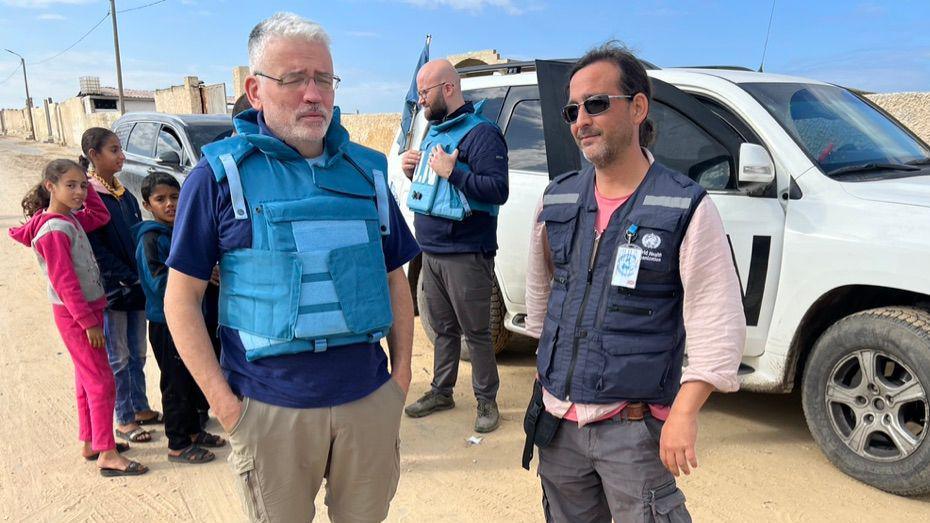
x=192 y=97
x=98 y=99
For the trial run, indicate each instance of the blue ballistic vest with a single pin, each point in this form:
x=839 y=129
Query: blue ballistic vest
x=432 y=195
x=602 y=343
x=314 y=276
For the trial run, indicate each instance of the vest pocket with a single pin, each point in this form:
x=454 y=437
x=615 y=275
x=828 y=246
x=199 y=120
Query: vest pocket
x=657 y=235
x=363 y=296
x=560 y=229
x=634 y=367
x=641 y=310
x=258 y=292
x=546 y=348
x=557 y=294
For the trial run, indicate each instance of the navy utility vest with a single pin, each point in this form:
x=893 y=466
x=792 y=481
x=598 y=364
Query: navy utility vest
x=432 y=195
x=315 y=274
x=602 y=343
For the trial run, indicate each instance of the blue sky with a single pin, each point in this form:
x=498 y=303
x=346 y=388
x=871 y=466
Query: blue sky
x=877 y=46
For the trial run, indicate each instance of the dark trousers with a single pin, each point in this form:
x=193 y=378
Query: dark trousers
x=180 y=395
x=609 y=470
x=458 y=299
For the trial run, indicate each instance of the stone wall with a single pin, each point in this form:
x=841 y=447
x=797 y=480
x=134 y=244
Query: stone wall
x=377 y=131
x=911 y=109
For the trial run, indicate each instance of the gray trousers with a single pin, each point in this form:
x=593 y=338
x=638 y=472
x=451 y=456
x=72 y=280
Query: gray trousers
x=458 y=302
x=609 y=470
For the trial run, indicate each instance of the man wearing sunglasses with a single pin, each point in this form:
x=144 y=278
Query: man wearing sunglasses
x=310 y=246
x=628 y=262
x=459 y=181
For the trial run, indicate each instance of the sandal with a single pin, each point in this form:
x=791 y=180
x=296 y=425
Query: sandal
x=158 y=418
x=133 y=469
x=120 y=448
x=139 y=435
x=193 y=455
x=205 y=439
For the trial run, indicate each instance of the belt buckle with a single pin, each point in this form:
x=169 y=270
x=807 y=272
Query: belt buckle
x=634 y=412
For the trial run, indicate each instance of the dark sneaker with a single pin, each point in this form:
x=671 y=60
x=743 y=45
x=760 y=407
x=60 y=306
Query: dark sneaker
x=430 y=402
x=488 y=416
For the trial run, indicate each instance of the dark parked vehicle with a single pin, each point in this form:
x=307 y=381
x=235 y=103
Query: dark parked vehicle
x=165 y=142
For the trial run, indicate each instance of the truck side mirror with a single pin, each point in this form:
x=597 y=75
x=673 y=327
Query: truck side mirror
x=755 y=164
x=170 y=159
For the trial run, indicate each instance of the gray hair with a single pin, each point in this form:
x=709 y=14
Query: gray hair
x=282 y=25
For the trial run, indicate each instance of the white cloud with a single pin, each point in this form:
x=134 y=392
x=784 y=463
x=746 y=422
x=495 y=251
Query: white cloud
x=36 y=4
x=511 y=7
x=50 y=16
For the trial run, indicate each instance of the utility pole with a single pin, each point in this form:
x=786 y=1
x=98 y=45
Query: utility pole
x=32 y=127
x=119 y=68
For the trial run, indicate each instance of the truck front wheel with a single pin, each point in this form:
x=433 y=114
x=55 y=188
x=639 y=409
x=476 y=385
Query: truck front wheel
x=865 y=397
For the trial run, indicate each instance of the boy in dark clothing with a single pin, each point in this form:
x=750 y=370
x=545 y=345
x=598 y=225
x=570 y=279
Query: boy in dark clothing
x=180 y=394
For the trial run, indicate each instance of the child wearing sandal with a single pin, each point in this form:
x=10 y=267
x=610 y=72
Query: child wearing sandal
x=124 y=317
x=179 y=393
x=56 y=232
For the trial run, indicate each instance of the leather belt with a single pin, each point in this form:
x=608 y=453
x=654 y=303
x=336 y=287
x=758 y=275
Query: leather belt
x=632 y=412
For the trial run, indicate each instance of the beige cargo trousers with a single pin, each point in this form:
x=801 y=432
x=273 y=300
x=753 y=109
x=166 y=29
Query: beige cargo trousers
x=281 y=455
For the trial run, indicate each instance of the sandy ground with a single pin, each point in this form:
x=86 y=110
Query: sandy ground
x=757 y=460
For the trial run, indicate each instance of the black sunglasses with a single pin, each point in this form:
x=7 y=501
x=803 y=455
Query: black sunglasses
x=596 y=104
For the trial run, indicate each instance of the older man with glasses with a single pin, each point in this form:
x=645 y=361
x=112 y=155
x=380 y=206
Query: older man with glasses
x=628 y=263
x=310 y=245
x=459 y=177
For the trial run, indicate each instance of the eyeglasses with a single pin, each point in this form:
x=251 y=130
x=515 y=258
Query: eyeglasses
x=596 y=104
x=423 y=92
x=300 y=81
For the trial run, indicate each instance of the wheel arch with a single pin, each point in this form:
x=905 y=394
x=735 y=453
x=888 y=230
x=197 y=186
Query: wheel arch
x=835 y=305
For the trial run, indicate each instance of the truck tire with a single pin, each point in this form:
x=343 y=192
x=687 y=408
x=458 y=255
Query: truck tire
x=500 y=336
x=865 y=397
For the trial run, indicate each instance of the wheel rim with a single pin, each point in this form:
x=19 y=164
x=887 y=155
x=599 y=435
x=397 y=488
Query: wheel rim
x=877 y=405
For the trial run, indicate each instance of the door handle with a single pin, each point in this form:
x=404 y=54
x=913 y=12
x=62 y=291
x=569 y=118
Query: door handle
x=151 y=170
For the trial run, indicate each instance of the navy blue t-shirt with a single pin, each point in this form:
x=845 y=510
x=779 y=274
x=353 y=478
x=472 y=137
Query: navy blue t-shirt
x=204 y=229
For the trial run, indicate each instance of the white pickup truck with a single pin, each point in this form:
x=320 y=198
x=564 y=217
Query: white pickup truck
x=826 y=202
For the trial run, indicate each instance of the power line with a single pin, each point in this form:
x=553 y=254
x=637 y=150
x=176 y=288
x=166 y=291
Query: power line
x=141 y=6
x=89 y=31
x=7 y=79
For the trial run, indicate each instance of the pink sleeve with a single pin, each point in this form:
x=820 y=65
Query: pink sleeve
x=55 y=248
x=94 y=215
x=713 y=307
x=539 y=270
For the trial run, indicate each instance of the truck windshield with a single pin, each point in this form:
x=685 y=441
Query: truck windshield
x=839 y=130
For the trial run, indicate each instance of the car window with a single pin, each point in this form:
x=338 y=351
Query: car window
x=122 y=132
x=168 y=141
x=493 y=100
x=142 y=139
x=203 y=134
x=683 y=146
x=526 y=144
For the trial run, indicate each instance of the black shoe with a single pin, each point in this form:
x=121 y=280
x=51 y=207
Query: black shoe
x=430 y=402
x=489 y=418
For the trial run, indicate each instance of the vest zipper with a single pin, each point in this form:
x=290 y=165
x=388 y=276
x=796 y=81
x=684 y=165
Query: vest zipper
x=630 y=310
x=584 y=303
x=647 y=294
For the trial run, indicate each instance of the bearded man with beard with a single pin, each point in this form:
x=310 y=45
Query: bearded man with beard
x=310 y=245
x=628 y=263
x=464 y=158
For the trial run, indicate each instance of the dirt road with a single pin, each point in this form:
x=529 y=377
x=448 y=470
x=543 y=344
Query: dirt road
x=757 y=460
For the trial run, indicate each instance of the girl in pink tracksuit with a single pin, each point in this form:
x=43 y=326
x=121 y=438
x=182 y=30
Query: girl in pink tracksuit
x=56 y=231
